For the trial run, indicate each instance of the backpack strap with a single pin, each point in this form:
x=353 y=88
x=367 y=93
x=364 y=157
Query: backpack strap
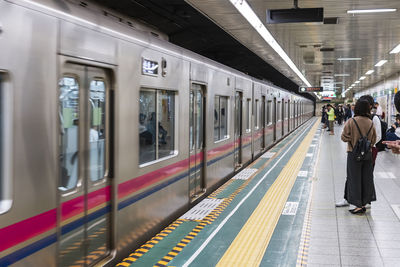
x=358 y=127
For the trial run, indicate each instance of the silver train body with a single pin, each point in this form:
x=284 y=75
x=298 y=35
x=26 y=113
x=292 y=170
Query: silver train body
x=108 y=133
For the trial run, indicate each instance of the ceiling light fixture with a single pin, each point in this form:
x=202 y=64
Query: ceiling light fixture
x=362 y=78
x=248 y=13
x=357 y=82
x=348 y=58
x=380 y=63
x=395 y=50
x=363 y=11
x=369 y=72
x=342 y=75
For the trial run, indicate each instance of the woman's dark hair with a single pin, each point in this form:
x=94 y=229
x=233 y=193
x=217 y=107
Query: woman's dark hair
x=362 y=108
x=368 y=98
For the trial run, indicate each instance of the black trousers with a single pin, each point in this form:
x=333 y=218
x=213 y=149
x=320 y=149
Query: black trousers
x=359 y=189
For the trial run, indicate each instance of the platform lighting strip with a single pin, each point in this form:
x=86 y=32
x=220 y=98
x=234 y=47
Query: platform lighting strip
x=247 y=12
x=395 y=50
x=369 y=72
x=349 y=58
x=362 y=78
x=363 y=11
x=381 y=63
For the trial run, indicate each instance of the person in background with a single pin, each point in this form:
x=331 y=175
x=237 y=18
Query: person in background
x=377 y=126
x=347 y=113
x=340 y=115
x=331 y=119
x=393 y=134
x=323 y=116
x=379 y=110
x=359 y=188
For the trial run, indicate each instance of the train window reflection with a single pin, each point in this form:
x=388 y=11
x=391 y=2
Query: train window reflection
x=220 y=118
x=156 y=125
x=97 y=132
x=69 y=122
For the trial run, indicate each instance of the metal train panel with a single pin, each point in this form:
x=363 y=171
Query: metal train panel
x=258 y=113
x=220 y=95
x=244 y=86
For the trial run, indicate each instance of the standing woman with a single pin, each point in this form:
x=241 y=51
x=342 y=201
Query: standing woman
x=359 y=189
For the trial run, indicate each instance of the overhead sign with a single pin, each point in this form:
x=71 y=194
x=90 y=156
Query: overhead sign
x=311 y=89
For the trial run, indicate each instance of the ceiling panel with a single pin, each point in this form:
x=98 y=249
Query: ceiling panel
x=369 y=36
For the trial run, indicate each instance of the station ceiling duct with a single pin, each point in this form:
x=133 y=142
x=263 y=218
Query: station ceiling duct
x=295 y=15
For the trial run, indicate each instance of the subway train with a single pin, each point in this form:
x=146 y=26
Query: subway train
x=109 y=132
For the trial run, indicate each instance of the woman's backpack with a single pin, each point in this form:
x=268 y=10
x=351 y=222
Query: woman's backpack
x=362 y=149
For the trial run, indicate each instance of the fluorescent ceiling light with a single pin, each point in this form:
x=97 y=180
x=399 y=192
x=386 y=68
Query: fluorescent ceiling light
x=362 y=78
x=357 y=82
x=369 y=72
x=348 y=58
x=354 y=84
x=363 y=11
x=395 y=50
x=248 y=13
x=342 y=75
x=380 y=63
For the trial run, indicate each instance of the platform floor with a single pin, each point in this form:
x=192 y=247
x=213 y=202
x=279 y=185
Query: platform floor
x=280 y=211
x=339 y=238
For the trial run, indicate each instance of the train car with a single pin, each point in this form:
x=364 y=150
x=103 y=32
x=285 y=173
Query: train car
x=109 y=132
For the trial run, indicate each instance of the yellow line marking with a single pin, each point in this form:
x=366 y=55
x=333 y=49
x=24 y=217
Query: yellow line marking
x=250 y=244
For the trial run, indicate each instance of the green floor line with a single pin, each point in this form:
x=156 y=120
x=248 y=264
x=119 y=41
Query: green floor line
x=234 y=185
x=165 y=245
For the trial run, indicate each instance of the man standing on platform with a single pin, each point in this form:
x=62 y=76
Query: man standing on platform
x=331 y=119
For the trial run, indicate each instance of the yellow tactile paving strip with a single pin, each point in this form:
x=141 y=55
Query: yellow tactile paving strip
x=250 y=245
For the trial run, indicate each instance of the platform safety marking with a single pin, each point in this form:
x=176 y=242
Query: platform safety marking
x=150 y=244
x=202 y=209
x=220 y=189
x=290 y=208
x=245 y=174
x=309 y=155
x=385 y=175
x=303 y=174
x=207 y=220
x=267 y=155
x=302 y=256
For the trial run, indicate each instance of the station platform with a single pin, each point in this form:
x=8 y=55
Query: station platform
x=280 y=211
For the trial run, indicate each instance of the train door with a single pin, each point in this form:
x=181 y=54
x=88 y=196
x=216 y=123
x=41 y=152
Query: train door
x=283 y=116
x=238 y=128
x=263 y=122
x=288 y=117
x=274 y=120
x=197 y=104
x=84 y=186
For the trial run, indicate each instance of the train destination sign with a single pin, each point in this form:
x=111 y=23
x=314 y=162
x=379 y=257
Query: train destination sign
x=310 y=89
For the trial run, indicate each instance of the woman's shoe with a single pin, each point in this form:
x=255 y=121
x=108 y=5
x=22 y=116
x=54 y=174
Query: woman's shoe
x=357 y=211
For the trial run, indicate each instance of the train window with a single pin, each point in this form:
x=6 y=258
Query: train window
x=156 y=125
x=97 y=133
x=220 y=118
x=257 y=115
x=5 y=145
x=248 y=123
x=69 y=121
